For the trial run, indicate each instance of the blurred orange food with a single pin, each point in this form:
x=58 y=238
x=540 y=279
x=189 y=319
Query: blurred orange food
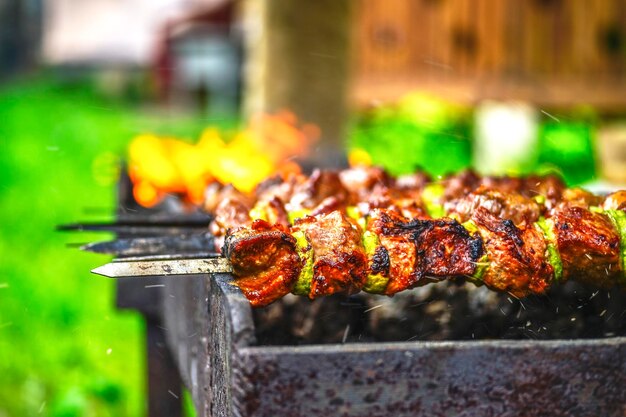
x=267 y=146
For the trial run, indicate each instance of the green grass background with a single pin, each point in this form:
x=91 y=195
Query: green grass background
x=64 y=349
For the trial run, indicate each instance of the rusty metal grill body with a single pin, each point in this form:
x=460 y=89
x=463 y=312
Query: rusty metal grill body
x=211 y=333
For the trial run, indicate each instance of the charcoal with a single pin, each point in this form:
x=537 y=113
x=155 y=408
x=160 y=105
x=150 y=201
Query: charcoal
x=444 y=311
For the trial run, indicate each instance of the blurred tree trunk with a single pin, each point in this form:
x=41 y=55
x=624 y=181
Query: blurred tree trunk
x=298 y=59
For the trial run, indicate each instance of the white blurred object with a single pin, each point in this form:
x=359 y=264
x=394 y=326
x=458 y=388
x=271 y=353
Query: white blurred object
x=611 y=144
x=108 y=31
x=210 y=62
x=506 y=137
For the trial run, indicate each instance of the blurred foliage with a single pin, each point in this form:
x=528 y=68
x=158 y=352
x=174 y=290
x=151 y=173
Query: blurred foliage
x=420 y=131
x=417 y=132
x=64 y=349
x=568 y=148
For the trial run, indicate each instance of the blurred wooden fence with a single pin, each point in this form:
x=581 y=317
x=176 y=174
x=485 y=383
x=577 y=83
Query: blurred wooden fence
x=551 y=52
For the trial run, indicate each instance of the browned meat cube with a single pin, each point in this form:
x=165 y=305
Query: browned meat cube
x=517 y=257
x=394 y=232
x=320 y=185
x=458 y=185
x=419 y=251
x=339 y=261
x=216 y=193
x=548 y=187
x=445 y=249
x=279 y=187
x=229 y=214
x=579 y=198
x=273 y=211
x=265 y=261
x=511 y=206
x=589 y=246
x=615 y=201
x=360 y=181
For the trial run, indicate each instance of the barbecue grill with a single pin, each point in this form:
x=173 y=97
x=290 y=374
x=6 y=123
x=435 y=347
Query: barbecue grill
x=367 y=355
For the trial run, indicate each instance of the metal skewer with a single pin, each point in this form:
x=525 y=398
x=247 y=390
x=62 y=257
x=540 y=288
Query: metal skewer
x=139 y=246
x=163 y=266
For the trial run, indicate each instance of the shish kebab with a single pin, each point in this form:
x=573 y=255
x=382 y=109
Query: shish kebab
x=361 y=229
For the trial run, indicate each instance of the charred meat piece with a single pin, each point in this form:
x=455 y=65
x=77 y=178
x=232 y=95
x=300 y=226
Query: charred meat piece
x=420 y=251
x=502 y=184
x=458 y=185
x=517 y=257
x=548 y=188
x=320 y=185
x=273 y=211
x=395 y=234
x=589 y=246
x=404 y=200
x=265 y=261
x=230 y=213
x=446 y=249
x=511 y=206
x=279 y=187
x=327 y=205
x=415 y=181
x=410 y=208
x=216 y=193
x=615 y=201
x=360 y=181
x=579 y=198
x=339 y=261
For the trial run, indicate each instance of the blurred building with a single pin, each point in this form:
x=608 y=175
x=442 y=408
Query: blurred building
x=187 y=46
x=548 y=52
x=109 y=31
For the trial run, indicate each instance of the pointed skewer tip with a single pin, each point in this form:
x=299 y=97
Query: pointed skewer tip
x=102 y=270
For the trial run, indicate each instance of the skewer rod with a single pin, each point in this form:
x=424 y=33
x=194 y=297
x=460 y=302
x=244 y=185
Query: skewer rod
x=151 y=268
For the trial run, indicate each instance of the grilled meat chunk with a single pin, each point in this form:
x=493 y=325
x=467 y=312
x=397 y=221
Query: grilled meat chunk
x=446 y=249
x=320 y=185
x=511 y=206
x=458 y=185
x=548 y=187
x=230 y=213
x=360 y=181
x=265 y=261
x=615 y=201
x=415 y=181
x=419 y=251
x=394 y=232
x=405 y=201
x=327 y=205
x=410 y=208
x=503 y=184
x=279 y=187
x=273 y=211
x=579 y=198
x=517 y=256
x=216 y=193
x=339 y=261
x=589 y=246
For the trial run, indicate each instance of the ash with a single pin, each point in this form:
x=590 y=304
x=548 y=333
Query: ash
x=444 y=311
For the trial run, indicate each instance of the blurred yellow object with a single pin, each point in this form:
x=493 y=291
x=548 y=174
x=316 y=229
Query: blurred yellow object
x=359 y=157
x=158 y=166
